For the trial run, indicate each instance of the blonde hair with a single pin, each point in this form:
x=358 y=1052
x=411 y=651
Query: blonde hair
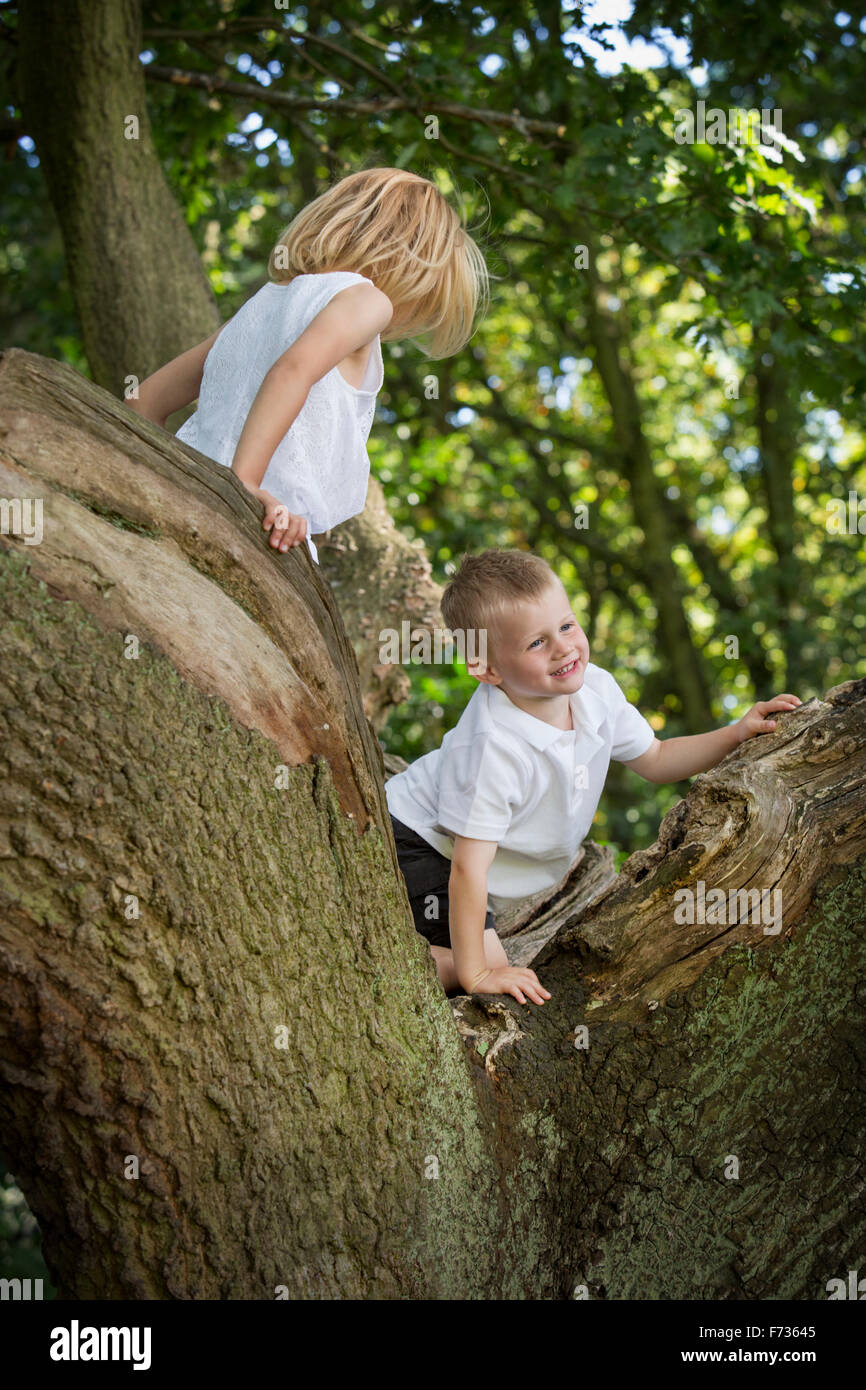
x=398 y=230
x=487 y=584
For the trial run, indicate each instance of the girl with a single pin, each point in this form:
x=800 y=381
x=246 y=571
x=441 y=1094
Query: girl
x=287 y=388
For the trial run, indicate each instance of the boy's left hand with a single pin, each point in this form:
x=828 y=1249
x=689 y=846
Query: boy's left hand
x=753 y=721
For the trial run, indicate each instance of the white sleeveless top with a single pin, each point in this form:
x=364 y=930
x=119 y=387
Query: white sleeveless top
x=320 y=468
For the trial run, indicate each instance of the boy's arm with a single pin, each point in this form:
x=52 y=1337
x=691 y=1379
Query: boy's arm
x=352 y=318
x=675 y=758
x=175 y=385
x=467 y=906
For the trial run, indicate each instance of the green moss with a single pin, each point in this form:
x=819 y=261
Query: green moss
x=123 y=523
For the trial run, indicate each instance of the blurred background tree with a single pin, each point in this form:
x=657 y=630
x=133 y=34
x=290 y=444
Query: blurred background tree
x=666 y=396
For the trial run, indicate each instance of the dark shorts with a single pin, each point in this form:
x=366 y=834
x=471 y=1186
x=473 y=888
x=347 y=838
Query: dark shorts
x=426 y=872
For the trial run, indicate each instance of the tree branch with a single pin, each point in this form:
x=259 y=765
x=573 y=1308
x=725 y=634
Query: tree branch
x=287 y=101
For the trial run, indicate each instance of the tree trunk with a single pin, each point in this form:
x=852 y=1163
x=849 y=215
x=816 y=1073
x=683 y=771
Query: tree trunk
x=255 y=1084
x=380 y=580
x=140 y=292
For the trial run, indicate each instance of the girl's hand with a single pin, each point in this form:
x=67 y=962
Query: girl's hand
x=286 y=529
x=754 y=721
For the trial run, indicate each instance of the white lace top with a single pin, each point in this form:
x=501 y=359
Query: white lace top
x=320 y=468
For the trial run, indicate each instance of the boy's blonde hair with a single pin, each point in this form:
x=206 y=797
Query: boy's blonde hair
x=487 y=584
x=398 y=230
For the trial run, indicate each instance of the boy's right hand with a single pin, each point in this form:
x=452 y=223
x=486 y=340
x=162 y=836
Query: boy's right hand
x=510 y=979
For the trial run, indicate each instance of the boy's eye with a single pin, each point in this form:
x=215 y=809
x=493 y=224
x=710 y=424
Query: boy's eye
x=535 y=643
x=566 y=626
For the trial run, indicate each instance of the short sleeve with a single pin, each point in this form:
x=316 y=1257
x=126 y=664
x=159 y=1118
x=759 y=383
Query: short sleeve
x=331 y=283
x=480 y=786
x=631 y=734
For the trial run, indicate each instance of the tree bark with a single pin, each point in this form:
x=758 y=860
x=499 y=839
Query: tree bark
x=380 y=580
x=701 y=1139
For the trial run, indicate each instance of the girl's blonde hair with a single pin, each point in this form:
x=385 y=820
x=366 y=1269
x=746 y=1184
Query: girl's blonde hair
x=398 y=230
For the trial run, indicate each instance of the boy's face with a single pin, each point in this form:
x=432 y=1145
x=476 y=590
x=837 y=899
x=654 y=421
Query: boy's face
x=539 y=650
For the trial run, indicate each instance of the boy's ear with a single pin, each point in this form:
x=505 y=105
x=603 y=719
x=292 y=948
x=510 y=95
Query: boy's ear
x=483 y=673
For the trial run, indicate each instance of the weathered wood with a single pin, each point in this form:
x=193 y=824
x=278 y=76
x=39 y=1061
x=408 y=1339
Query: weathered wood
x=774 y=817
x=189 y=556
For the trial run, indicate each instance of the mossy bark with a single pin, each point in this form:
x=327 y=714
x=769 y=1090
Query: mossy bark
x=227 y=1066
x=264 y=1158
x=712 y=1150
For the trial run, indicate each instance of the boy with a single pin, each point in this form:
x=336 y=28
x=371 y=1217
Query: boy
x=513 y=790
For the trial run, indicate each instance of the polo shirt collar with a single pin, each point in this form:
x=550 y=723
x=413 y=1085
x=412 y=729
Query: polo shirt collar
x=587 y=712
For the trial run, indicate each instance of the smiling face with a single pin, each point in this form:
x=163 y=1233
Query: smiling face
x=539 y=650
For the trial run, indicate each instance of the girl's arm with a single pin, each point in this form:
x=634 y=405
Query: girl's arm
x=175 y=385
x=350 y=320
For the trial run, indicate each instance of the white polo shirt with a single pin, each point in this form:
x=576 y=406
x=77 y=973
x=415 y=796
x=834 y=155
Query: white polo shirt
x=502 y=774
